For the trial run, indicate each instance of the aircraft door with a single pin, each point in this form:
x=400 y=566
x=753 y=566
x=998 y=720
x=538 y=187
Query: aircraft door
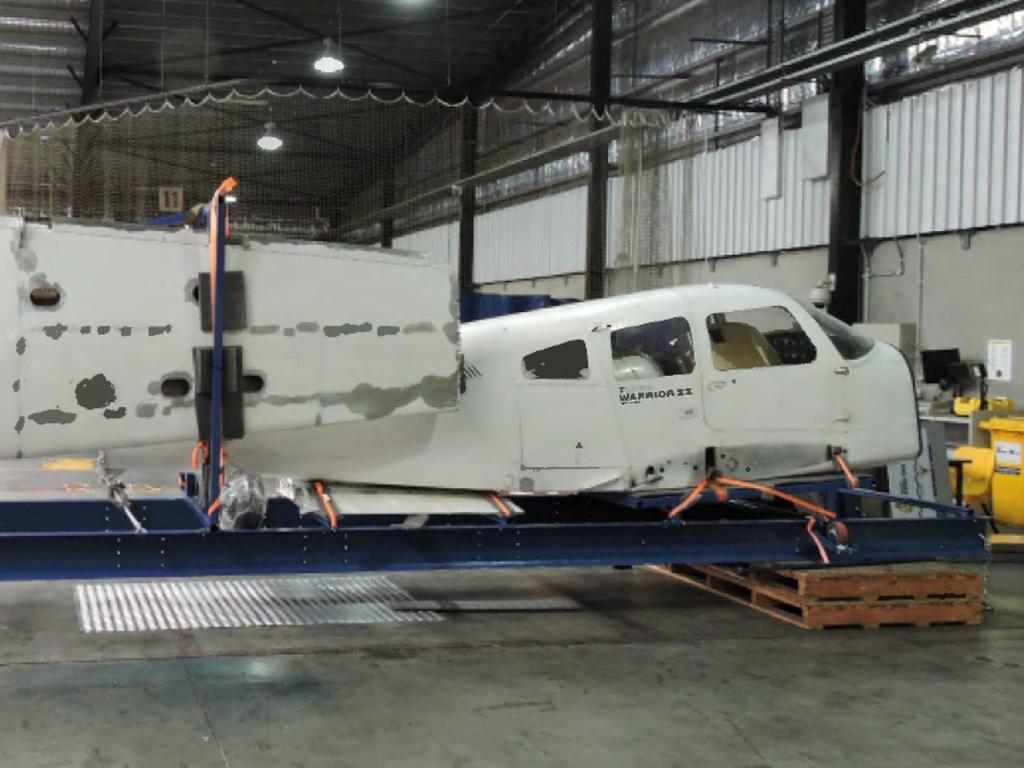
x=765 y=380
x=565 y=418
x=656 y=395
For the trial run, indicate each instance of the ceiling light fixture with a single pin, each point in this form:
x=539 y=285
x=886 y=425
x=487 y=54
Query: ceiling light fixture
x=269 y=141
x=329 y=62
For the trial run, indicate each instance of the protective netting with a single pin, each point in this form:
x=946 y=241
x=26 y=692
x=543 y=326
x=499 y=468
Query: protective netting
x=348 y=165
x=650 y=201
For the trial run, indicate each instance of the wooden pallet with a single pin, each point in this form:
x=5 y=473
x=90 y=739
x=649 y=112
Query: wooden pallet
x=868 y=597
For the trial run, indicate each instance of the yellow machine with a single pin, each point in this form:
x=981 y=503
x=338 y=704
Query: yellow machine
x=979 y=464
x=1007 y=481
x=965 y=406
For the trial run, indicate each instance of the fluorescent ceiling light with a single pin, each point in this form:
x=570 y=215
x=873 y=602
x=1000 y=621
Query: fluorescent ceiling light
x=269 y=141
x=329 y=62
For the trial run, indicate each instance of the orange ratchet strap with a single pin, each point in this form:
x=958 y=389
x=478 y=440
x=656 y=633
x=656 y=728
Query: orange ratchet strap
x=500 y=505
x=720 y=483
x=328 y=506
x=841 y=463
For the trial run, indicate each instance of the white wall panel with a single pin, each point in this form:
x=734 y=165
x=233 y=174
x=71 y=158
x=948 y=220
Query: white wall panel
x=729 y=214
x=716 y=206
x=950 y=159
x=440 y=242
x=536 y=238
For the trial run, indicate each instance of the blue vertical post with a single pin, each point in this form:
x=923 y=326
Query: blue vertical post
x=217 y=363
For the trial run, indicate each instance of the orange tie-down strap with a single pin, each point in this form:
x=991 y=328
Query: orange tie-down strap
x=720 y=483
x=501 y=505
x=328 y=506
x=228 y=185
x=200 y=456
x=841 y=463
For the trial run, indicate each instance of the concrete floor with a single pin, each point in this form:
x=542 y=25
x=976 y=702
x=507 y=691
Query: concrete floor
x=650 y=673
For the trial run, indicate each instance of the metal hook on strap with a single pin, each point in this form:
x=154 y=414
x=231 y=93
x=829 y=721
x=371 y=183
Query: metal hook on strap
x=117 y=492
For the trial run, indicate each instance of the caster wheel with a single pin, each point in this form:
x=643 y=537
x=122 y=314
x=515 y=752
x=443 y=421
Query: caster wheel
x=838 y=533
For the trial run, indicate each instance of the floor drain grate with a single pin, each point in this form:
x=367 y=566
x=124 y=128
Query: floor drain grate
x=145 y=606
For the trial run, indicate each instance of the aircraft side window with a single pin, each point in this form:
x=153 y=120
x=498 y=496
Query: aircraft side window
x=562 y=361
x=652 y=350
x=758 y=338
x=849 y=344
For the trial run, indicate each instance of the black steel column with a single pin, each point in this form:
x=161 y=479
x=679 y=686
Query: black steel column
x=387 y=223
x=597 y=189
x=87 y=184
x=844 y=254
x=467 y=210
x=92 y=76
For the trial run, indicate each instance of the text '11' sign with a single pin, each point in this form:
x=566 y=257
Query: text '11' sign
x=170 y=199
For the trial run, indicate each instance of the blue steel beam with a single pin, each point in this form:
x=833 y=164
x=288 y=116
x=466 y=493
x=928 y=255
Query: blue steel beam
x=178 y=543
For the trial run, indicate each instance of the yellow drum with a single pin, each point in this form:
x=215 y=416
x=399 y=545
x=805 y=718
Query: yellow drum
x=1007 y=482
x=978 y=466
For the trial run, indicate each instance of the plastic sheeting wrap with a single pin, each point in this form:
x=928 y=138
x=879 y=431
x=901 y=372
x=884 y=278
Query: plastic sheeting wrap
x=243 y=501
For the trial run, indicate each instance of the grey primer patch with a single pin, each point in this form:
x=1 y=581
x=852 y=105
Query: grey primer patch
x=376 y=402
x=18 y=454
x=20 y=346
x=53 y=416
x=451 y=330
x=115 y=413
x=308 y=327
x=388 y=330
x=27 y=260
x=125 y=330
x=331 y=331
x=55 y=331
x=289 y=331
x=95 y=392
x=145 y=410
x=419 y=328
x=159 y=330
x=19 y=424
x=102 y=330
x=264 y=330
x=153 y=387
x=178 y=403
x=17 y=385
x=85 y=330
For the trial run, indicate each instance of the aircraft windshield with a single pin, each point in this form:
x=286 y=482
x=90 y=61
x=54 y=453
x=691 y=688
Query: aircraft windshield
x=849 y=344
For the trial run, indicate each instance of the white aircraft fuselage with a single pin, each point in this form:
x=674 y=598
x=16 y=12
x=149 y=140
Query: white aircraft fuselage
x=348 y=365
x=642 y=392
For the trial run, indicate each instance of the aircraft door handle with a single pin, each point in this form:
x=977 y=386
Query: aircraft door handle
x=842 y=370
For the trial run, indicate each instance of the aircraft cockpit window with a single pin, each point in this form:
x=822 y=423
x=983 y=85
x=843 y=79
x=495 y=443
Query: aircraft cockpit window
x=562 y=361
x=652 y=350
x=850 y=345
x=758 y=338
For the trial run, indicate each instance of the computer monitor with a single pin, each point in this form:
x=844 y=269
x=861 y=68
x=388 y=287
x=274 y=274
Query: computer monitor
x=936 y=363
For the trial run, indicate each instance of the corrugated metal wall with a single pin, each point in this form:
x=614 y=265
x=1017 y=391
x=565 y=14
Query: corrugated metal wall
x=536 y=238
x=716 y=208
x=950 y=159
x=731 y=216
x=441 y=242
x=708 y=205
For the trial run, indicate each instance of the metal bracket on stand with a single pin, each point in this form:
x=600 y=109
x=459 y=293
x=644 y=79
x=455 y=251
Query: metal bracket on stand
x=218 y=240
